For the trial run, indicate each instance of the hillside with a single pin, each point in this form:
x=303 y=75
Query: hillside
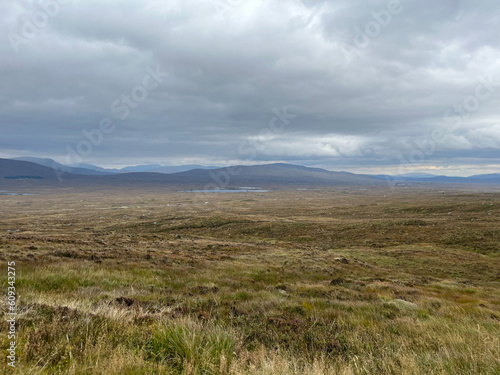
x=17 y=169
x=46 y=162
x=273 y=176
x=269 y=175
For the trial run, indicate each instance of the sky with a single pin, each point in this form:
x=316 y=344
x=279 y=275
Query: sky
x=363 y=86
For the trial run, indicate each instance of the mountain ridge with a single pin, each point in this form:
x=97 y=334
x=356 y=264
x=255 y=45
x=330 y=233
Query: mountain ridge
x=278 y=174
x=275 y=175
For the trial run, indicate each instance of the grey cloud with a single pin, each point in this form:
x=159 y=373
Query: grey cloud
x=226 y=75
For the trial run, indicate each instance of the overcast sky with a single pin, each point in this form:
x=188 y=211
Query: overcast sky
x=364 y=86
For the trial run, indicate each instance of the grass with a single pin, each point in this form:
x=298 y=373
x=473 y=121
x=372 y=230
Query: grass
x=290 y=283
x=191 y=347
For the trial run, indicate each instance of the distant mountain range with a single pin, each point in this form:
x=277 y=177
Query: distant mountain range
x=165 y=168
x=270 y=175
x=266 y=176
x=92 y=167
x=493 y=178
x=18 y=169
x=89 y=169
x=61 y=167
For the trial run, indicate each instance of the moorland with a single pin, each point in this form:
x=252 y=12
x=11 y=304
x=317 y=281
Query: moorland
x=330 y=281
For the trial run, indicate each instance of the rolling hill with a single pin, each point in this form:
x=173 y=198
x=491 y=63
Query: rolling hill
x=46 y=162
x=268 y=175
x=275 y=176
x=25 y=170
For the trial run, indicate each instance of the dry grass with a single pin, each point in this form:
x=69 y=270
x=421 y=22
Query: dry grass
x=309 y=282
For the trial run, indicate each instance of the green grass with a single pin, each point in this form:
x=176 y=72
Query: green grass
x=190 y=347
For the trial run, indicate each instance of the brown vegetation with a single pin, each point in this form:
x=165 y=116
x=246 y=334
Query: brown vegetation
x=291 y=282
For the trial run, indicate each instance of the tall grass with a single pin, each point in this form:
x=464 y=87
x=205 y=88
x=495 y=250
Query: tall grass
x=192 y=348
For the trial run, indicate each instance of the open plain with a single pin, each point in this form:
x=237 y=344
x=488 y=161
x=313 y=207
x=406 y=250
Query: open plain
x=147 y=281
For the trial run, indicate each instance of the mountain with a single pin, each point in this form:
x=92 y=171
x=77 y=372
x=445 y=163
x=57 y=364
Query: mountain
x=404 y=176
x=418 y=175
x=46 y=162
x=157 y=168
x=141 y=168
x=180 y=168
x=274 y=176
x=477 y=179
x=23 y=170
x=268 y=175
x=93 y=167
x=492 y=176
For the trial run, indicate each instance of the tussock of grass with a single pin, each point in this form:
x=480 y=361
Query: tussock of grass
x=189 y=347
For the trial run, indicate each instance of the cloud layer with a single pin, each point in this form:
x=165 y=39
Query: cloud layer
x=368 y=82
